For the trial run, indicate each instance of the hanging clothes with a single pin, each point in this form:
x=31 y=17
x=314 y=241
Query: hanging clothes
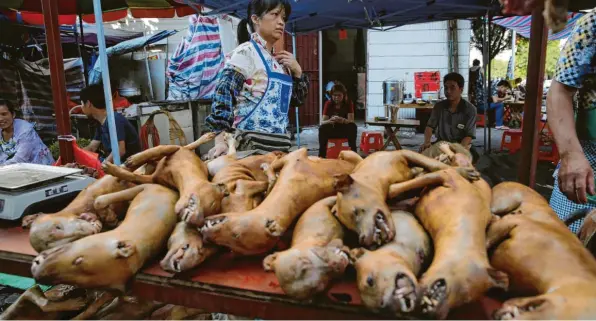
x=194 y=67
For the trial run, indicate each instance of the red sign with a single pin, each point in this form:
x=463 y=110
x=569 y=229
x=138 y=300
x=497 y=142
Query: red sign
x=343 y=34
x=426 y=81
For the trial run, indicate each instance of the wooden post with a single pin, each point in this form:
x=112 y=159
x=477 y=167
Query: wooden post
x=50 y=18
x=533 y=103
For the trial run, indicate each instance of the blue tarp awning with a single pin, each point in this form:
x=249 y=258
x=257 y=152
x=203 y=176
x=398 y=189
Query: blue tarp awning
x=314 y=15
x=523 y=24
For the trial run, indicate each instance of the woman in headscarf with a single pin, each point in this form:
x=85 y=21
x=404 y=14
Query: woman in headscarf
x=258 y=85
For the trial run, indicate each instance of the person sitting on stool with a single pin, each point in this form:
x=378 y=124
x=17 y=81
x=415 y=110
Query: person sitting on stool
x=94 y=107
x=338 y=120
x=496 y=103
x=453 y=119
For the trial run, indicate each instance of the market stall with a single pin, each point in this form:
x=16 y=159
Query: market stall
x=239 y=285
x=235 y=286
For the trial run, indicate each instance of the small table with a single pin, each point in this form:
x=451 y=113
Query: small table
x=391 y=129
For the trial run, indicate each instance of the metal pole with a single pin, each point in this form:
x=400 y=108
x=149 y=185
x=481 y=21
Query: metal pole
x=147 y=67
x=513 y=50
x=320 y=53
x=105 y=74
x=297 y=115
x=490 y=18
x=486 y=80
x=58 y=82
x=533 y=101
x=83 y=53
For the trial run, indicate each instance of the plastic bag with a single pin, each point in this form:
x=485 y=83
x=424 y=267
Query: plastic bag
x=83 y=157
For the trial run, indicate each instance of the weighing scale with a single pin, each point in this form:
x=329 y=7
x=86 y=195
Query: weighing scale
x=25 y=186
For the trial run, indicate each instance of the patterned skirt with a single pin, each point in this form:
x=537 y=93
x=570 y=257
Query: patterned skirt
x=559 y=202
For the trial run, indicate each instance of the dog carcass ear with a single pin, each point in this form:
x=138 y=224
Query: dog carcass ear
x=499 y=279
x=337 y=206
x=223 y=189
x=357 y=253
x=124 y=249
x=269 y=262
x=342 y=182
x=29 y=219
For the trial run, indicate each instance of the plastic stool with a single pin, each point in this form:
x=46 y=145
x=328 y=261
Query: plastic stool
x=549 y=156
x=480 y=120
x=546 y=139
x=335 y=146
x=515 y=140
x=371 y=141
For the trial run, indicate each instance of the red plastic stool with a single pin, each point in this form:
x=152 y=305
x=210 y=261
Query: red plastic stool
x=480 y=120
x=371 y=141
x=335 y=146
x=549 y=156
x=546 y=139
x=515 y=140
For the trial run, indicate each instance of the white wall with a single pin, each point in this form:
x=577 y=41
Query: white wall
x=399 y=53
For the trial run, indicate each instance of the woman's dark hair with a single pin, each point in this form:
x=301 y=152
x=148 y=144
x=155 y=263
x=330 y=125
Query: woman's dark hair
x=259 y=8
x=476 y=62
x=453 y=76
x=9 y=106
x=339 y=87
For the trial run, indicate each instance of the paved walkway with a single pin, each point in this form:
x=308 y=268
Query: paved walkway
x=309 y=137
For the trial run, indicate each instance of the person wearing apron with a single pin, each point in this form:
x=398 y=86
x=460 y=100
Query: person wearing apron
x=257 y=86
x=575 y=73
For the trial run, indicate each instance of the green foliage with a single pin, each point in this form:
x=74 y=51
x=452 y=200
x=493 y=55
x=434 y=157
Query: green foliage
x=521 y=57
x=55 y=149
x=498 y=68
x=499 y=37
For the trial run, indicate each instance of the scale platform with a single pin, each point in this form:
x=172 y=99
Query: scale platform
x=27 y=188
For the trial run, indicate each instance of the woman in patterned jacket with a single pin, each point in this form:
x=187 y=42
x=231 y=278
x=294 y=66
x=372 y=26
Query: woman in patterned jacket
x=258 y=85
x=575 y=73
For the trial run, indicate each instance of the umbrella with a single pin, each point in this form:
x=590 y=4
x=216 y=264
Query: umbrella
x=94 y=11
x=523 y=24
x=30 y=10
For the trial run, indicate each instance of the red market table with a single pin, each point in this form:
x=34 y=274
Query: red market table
x=236 y=286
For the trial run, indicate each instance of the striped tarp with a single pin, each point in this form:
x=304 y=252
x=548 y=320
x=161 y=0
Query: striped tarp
x=194 y=67
x=523 y=24
x=27 y=84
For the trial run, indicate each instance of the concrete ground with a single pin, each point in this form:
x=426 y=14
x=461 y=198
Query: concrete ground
x=309 y=137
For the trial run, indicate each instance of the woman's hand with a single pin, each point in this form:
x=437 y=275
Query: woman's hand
x=287 y=60
x=220 y=148
x=576 y=177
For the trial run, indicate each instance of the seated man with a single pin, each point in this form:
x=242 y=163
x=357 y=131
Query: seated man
x=496 y=102
x=94 y=106
x=338 y=119
x=453 y=119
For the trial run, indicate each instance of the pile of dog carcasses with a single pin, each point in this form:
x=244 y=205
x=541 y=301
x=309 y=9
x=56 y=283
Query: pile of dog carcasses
x=424 y=233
